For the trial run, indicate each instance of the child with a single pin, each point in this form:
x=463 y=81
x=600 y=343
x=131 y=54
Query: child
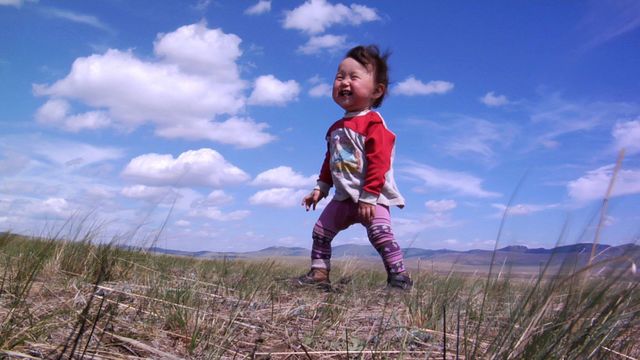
x=358 y=163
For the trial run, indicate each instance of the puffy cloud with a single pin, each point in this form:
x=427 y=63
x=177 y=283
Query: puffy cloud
x=197 y=49
x=490 y=99
x=315 y=16
x=316 y=44
x=209 y=208
x=283 y=176
x=270 y=91
x=215 y=198
x=149 y=193
x=412 y=86
x=204 y=167
x=594 y=185
x=195 y=81
x=213 y=213
x=56 y=112
x=627 y=136
x=320 y=90
x=458 y=182
x=243 y=133
x=441 y=205
x=278 y=197
x=57 y=208
x=260 y=8
x=409 y=227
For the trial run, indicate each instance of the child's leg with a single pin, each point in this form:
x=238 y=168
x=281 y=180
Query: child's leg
x=381 y=237
x=338 y=215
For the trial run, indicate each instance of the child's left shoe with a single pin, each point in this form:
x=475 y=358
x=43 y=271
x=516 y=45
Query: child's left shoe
x=315 y=277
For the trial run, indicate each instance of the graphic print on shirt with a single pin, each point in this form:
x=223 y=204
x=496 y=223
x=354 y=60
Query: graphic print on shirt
x=345 y=158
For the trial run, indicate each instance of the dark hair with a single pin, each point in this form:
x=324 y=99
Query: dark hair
x=370 y=55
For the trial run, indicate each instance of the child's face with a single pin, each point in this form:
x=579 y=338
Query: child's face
x=354 y=87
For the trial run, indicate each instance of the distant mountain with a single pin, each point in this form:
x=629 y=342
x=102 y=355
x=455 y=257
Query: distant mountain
x=510 y=255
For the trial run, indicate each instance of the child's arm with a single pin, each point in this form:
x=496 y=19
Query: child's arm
x=366 y=212
x=325 y=181
x=312 y=199
x=379 y=150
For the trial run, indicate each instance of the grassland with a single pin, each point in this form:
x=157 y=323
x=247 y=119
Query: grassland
x=67 y=297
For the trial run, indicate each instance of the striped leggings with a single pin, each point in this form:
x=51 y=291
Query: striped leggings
x=339 y=215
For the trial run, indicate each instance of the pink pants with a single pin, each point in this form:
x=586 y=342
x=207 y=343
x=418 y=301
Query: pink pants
x=339 y=215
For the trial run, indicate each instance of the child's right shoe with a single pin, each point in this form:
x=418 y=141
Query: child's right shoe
x=399 y=281
x=316 y=277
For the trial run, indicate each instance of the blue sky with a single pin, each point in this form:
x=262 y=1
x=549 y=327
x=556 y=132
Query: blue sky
x=206 y=119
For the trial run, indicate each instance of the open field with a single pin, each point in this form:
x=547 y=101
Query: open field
x=75 y=299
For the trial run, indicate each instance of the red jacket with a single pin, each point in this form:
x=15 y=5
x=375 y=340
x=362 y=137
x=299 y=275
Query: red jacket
x=359 y=159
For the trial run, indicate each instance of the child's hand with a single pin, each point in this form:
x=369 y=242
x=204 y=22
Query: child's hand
x=312 y=199
x=366 y=212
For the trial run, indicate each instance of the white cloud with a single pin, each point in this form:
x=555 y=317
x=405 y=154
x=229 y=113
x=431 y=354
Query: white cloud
x=56 y=112
x=260 y=8
x=70 y=153
x=16 y=3
x=521 y=209
x=320 y=90
x=243 y=133
x=490 y=99
x=12 y=163
x=606 y=21
x=412 y=86
x=557 y=117
x=270 y=91
x=627 y=136
x=195 y=81
x=315 y=16
x=278 y=197
x=316 y=44
x=75 y=17
x=204 y=167
x=458 y=182
x=594 y=185
x=197 y=49
x=472 y=136
x=410 y=227
x=182 y=223
x=215 y=198
x=213 y=213
x=149 y=193
x=57 y=208
x=283 y=176
x=441 y=205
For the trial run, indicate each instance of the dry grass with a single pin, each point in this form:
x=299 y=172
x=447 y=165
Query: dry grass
x=79 y=300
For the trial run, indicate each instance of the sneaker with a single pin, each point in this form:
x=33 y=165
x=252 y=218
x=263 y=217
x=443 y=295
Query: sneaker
x=399 y=281
x=317 y=277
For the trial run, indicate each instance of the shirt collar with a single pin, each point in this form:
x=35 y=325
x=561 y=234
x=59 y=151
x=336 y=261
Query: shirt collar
x=355 y=113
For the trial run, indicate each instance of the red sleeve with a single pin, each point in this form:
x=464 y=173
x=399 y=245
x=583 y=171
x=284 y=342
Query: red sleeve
x=325 y=171
x=378 y=147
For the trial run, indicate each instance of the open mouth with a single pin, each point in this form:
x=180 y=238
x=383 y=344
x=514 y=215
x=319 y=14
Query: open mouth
x=345 y=93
